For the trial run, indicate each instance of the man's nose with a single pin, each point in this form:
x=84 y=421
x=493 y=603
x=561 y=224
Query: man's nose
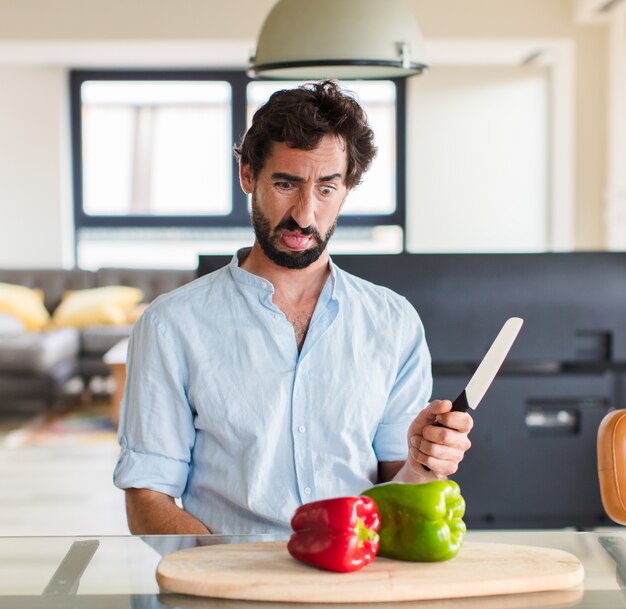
x=303 y=211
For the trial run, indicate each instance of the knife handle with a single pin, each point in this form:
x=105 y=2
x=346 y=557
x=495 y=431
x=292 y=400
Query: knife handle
x=459 y=405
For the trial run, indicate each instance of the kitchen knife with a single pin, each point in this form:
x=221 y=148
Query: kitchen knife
x=475 y=390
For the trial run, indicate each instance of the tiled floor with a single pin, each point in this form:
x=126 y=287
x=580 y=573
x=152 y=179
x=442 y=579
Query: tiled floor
x=59 y=490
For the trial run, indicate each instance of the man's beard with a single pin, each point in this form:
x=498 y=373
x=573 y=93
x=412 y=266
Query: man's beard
x=267 y=238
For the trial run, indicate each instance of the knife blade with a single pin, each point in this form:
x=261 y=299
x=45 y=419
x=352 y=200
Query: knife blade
x=482 y=378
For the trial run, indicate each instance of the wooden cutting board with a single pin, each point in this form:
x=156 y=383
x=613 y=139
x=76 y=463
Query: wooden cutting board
x=264 y=571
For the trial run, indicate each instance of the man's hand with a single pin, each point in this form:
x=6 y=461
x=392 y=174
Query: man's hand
x=439 y=448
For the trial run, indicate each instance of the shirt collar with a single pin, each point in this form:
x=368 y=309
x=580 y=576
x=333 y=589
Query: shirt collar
x=335 y=274
x=244 y=277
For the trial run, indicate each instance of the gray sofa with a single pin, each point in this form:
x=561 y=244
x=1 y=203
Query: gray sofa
x=35 y=367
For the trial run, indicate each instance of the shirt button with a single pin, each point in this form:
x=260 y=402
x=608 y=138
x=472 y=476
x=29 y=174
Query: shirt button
x=276 y=315
x=307 y=491
x=302 y=429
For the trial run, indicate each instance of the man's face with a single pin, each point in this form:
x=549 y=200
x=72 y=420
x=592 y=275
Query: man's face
x=296 y=199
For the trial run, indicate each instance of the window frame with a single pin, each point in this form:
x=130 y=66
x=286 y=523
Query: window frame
x=238 y=216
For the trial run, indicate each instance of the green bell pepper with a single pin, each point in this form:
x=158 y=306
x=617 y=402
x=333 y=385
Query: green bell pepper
x=420 y=522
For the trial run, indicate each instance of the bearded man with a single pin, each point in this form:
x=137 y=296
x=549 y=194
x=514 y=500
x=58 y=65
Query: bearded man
x=281 y=379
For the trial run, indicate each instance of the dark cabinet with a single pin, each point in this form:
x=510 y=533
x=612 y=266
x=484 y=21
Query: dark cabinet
x=533 y=457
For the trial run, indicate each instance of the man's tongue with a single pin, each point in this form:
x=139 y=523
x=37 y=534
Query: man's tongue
x=296 y=241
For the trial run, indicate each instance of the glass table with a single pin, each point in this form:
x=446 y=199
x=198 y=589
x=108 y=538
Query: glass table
x=119 y=572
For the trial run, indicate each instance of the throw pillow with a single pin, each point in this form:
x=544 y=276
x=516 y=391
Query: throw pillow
x=10 y=325
x=136 y=312
x=106 y=305
x=25 y=304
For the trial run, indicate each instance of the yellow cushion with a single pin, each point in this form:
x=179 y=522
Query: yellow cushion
x=107 y=305
x=25 y=304
x=136 y=312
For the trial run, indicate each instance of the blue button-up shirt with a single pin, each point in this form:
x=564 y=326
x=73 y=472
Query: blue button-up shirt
x=221 y=409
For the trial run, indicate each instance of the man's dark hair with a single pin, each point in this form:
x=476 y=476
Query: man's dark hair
x=301 y=118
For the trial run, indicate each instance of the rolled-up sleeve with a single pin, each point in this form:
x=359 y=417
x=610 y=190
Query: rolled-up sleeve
x=410 y=392
x=156 y=432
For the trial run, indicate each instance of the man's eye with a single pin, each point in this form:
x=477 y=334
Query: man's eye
x=283 y=185
x=327 y=190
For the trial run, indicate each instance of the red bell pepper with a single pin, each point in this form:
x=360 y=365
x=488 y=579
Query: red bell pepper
x=336 y=534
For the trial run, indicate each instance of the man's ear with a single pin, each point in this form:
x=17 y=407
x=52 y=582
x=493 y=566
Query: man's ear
x=246 y=178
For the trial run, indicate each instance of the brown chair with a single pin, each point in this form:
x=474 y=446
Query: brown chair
x=612 y=464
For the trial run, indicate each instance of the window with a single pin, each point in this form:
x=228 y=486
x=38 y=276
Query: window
x=156 y=148
x=152 y=154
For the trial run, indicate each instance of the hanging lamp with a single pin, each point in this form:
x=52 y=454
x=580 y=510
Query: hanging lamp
x=342 y=39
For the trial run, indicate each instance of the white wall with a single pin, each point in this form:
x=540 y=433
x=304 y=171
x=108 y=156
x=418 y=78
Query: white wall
x=478 y=151
x=35 y=199
x=132 y=19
